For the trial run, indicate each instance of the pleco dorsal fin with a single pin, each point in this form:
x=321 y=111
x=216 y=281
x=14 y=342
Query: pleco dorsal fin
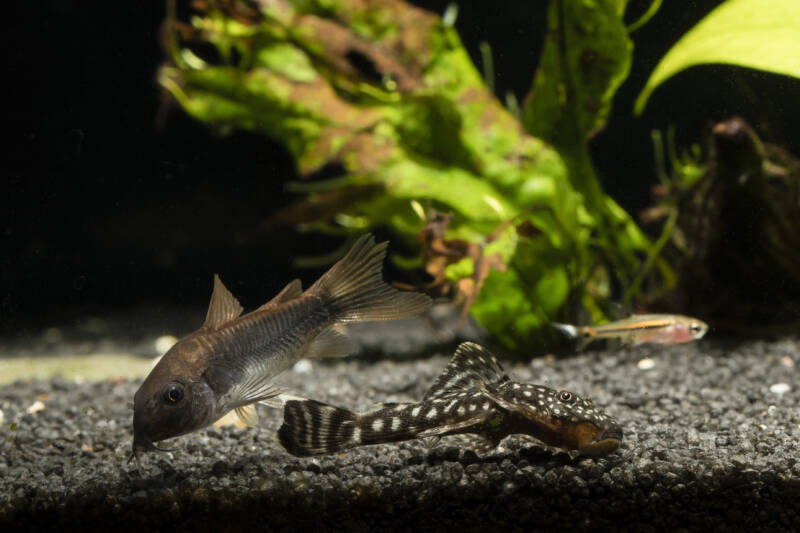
x=331 y=342
x=223 y=307
x=471 y=367
x=291 y=291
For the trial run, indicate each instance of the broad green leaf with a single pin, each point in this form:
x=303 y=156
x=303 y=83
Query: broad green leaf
x=587 y=56
x=760 y=34
x=288 y=61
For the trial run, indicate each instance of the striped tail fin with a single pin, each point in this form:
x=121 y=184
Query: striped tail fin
x=313 y=428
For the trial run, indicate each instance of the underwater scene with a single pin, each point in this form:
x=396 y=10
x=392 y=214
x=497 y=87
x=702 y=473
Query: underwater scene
x=377 y=265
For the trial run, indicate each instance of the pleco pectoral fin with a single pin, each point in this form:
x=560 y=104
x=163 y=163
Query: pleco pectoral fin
x=291 y=291
x=331 y=342
x=479 y=418
x=223 y=307
x=478 y=443
x=430 y=442
x=539 y=443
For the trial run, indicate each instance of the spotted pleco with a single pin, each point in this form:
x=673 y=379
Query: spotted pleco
x=473 y=395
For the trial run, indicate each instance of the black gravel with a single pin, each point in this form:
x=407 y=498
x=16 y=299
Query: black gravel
x=708 y=445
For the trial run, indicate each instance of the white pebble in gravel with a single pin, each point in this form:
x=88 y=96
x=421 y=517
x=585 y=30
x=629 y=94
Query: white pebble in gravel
x=303 y=366
x=646 y=364
x=780 y=388
x=35 y=407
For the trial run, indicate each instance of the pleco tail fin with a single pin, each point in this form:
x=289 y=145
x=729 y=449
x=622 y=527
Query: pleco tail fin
x=356 y=292
x=312 y=428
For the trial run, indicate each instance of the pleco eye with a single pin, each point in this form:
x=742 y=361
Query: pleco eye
x=173 y=393
x=566 y=396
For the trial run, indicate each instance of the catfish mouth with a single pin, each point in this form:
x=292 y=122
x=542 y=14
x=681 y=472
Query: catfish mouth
x=599 y=443
x=144 y=444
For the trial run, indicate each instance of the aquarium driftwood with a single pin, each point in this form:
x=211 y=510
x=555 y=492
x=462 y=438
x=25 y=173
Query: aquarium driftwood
x=734 y=231
x=381 y=98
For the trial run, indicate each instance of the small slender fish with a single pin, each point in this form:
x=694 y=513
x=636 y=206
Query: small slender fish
x=472 y=396
x=639 y=329
x=230 y=363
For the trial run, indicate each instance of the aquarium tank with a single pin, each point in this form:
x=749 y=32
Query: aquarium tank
x=377 y=265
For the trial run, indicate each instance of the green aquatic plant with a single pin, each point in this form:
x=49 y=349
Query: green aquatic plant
x=759 y=34
x=383 y=96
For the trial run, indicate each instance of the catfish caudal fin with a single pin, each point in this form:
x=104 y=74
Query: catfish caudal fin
x=312 y=428
x=356 y=292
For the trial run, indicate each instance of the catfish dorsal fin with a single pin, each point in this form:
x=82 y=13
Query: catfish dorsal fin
x=223 y=307
x=291 y=291
x=471 y=367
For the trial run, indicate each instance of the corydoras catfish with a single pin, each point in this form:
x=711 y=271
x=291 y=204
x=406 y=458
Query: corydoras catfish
x=230 y=362
x=472 y=396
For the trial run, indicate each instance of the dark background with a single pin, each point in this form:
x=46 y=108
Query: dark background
x=106 y=207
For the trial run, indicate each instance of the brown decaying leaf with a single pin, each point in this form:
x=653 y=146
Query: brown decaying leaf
x=339 y=44
x=438 y=253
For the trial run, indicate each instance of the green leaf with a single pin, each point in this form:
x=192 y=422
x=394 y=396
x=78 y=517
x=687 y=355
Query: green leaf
x=288 y=61
x=475 y=198
x=461 y=269
x=587 y=56
x=760 y=34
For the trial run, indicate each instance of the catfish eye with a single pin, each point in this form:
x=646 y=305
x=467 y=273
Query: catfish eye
x=694 y=327
x=566 y=396
x=173 y=393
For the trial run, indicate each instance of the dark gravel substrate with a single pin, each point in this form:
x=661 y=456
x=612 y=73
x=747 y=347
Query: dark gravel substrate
x=710 y=443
